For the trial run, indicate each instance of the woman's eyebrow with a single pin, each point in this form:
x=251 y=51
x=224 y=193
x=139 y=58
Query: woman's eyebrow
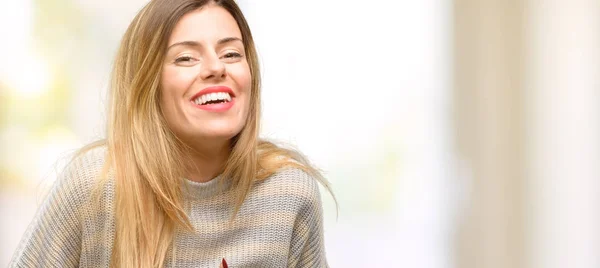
x=197 y=44
x=228 y=39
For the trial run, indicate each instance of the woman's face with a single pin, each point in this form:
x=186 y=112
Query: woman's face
x=206 y=81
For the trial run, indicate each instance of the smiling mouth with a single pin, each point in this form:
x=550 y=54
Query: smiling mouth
x=213 y=98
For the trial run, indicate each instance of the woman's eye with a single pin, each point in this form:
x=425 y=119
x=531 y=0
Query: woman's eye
x=232 y=55
x=184 y=59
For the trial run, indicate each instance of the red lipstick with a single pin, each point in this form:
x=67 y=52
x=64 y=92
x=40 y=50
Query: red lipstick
x=216 y=107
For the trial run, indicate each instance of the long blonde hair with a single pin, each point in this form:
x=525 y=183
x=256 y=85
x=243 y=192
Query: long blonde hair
x=146 y=157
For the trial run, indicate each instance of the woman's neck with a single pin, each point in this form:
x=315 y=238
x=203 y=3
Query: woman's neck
x=207 y=161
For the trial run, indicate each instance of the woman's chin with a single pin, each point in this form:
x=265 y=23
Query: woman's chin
x=217 y=134
x=209 y=130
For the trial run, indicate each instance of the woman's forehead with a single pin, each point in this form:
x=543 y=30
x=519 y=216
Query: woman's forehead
x=205 y=25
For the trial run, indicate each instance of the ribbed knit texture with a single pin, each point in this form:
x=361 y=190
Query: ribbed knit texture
x=279 y=225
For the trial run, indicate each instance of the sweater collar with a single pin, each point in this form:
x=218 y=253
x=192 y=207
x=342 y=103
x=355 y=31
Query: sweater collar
x=201 y=190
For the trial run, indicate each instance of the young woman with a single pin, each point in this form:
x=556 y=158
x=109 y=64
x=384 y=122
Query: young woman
x=182 y=179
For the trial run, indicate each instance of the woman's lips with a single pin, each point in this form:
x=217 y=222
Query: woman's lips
x=213 y=89
x=214 y=107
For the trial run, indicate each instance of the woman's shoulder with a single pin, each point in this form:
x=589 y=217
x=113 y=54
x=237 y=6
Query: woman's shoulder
x=293 y=178
x=87 y=163
x=292 y=183
x=83 y=171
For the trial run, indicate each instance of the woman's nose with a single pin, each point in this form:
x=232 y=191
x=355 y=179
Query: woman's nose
x=212 y=67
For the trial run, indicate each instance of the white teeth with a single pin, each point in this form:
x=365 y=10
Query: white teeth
x=212 y=97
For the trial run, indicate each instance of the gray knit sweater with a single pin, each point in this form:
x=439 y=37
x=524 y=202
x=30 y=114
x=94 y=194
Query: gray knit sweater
x=279 y=225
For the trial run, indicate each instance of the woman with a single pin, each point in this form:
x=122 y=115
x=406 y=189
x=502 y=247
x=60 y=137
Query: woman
x=182 y=179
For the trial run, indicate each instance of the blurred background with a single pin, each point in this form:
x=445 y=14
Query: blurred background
x=458 y=133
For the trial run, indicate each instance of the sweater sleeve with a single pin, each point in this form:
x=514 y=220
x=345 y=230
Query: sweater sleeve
x=53 y=238
x=307 y=244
